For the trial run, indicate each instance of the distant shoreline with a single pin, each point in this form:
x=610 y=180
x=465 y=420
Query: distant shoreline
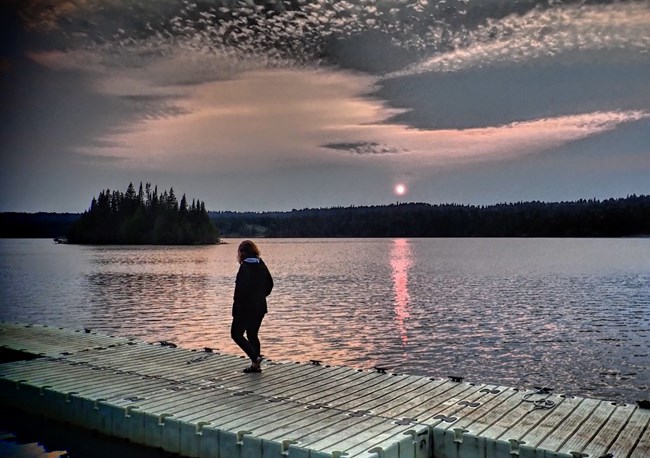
x=612 y=218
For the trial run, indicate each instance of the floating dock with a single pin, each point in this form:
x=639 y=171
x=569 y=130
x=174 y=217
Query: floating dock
x=200 y=404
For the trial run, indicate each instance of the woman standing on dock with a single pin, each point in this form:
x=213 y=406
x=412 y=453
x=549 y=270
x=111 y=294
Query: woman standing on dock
x=253 y=284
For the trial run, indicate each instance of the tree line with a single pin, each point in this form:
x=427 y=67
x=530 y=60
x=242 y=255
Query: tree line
x=622 y=217
x=143 y=217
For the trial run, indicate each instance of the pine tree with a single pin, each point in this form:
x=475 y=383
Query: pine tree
x=127 y=218
x=140 y=195
x=183 y=205
x=171 y=200
x=148 y=192
x=130 y=192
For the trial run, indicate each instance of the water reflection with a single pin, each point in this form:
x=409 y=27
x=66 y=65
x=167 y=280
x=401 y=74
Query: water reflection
x=400 y=262
x=170 y=306
x=29 y=436
x=153 y=293
x=570 y=314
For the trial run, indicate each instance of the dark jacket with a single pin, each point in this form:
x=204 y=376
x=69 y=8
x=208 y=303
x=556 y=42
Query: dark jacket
x=253 y=284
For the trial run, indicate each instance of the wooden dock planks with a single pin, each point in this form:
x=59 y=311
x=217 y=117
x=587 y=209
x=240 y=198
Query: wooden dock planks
x=200 y=404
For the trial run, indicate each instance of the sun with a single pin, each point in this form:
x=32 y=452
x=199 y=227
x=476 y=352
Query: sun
x=400 y=189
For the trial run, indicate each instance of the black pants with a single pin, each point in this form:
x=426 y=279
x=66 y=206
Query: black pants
x=251 y=326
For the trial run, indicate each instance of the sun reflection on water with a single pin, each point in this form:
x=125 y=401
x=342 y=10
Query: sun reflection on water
x=566 y=313
x=400 y=262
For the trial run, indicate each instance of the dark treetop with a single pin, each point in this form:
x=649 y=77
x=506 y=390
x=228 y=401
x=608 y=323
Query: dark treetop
x=145 y=217
x=624 y=217
x=627 y=217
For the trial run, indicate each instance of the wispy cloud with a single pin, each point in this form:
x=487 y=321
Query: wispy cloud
x=363 y=148
x=262 y=118
x=280 y=118
x=540 y=33
x=213 y=87
x=159 y=60
x=97 y=159
x=520 y=138
x=422 y=149
x=171 y=87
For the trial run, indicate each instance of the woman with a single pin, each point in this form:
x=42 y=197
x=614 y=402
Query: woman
x=253 y=284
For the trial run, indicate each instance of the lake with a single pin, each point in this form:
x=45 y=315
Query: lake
x=572 y=314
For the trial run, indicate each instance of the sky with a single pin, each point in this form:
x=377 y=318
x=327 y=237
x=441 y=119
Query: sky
x=272 y=105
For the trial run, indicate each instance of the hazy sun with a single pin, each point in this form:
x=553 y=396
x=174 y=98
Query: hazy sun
x=400 y=189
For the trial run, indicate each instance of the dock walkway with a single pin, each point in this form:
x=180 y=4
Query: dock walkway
x=200 y=404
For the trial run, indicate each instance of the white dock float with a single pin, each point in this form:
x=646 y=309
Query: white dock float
x=200 y=404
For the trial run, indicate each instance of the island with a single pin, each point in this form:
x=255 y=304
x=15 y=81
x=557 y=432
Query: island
x=145 y=217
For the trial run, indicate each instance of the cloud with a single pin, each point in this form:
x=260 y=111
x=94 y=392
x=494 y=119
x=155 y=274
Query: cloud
x=540 y=33
x=279 y=118
x=47 y=14
x=363 y=148
x=262 y=118
x=373 y=35
x=278 y=33
x=135 y=70
x=497 y=95
x=423 y=150
x=525 y=138
x=234 y=90
x=156 y=62
x=97 y=159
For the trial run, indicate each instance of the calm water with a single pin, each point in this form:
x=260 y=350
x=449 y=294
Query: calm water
x=573 y=314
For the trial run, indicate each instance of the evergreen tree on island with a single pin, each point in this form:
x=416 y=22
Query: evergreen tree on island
x=144 y=217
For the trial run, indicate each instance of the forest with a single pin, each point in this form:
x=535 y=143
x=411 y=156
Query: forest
x=620 y=217
x=145 y=217
x=624 y=217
